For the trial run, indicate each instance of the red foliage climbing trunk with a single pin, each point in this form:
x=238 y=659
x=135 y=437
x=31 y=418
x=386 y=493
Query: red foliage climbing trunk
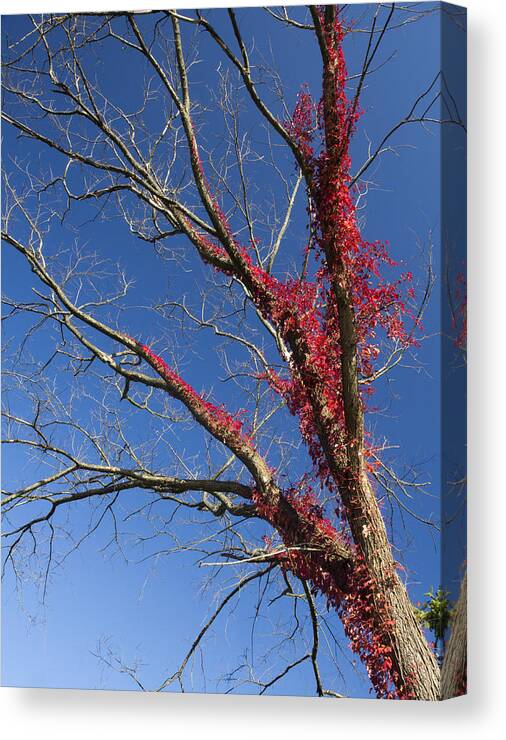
x=391 y=630
x=330 y=324
x=330 y=330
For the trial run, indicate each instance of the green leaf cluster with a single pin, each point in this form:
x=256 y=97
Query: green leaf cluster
x=436 y=612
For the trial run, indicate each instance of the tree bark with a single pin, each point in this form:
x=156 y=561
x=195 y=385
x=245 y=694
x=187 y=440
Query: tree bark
x=454 y=671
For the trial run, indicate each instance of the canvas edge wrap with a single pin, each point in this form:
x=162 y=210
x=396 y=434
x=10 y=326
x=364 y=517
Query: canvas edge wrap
x=453 y=378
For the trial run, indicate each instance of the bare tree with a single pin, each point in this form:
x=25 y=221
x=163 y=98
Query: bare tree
x=304 y=331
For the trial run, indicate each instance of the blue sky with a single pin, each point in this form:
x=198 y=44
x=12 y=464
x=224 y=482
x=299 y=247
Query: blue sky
x=150 y=608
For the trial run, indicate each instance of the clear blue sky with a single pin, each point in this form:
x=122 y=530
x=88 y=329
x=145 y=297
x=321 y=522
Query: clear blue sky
x=150 y=609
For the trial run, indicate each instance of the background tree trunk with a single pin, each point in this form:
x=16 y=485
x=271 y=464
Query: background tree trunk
x=454 y=671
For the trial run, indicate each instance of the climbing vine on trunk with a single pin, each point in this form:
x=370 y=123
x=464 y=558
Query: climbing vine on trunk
x=329 y=321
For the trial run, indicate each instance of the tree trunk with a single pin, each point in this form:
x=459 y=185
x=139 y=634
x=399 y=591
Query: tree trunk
x=414 y=671
x=454 y=671
x=413 y=659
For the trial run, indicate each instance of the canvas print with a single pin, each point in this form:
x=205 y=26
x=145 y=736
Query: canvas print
x=234 y=350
